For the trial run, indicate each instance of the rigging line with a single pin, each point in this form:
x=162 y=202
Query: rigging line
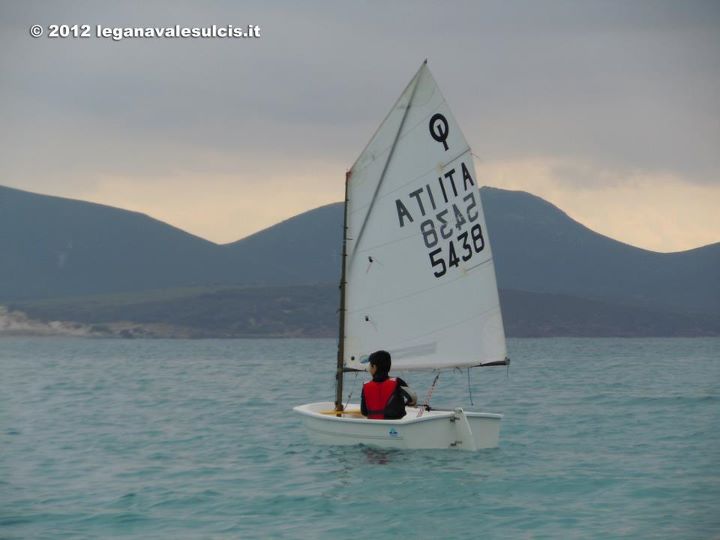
x=426 y=406
x=389 y=158
x=421 y=175
x=416 y=293
x=351 y=391
x=470 y=388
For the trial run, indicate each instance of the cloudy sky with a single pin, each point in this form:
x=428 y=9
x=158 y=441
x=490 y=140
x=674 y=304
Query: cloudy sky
x=608 y=109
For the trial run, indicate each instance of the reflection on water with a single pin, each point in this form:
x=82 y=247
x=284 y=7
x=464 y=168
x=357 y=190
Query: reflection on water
x=378 y=456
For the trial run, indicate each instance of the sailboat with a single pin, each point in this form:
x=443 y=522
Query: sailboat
x=417 y=277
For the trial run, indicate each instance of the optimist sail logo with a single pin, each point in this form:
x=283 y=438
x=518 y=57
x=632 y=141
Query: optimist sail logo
x=393 y=432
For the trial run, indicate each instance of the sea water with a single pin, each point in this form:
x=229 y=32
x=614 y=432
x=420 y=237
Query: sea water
x=602 y=438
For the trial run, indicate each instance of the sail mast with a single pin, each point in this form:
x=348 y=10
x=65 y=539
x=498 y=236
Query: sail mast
x=341 y=331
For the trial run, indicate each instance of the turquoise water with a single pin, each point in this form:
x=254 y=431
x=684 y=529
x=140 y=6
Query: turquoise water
x=602 y=438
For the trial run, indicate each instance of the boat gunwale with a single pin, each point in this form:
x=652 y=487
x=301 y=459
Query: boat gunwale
x=434 y=414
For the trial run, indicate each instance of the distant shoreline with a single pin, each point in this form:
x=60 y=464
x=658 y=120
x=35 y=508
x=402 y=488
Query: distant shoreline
x=14 y=324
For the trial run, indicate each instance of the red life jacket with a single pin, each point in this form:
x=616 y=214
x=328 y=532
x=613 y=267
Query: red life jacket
x=377 y=395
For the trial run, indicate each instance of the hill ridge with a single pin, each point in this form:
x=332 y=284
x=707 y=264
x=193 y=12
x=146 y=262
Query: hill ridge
x=55 y=246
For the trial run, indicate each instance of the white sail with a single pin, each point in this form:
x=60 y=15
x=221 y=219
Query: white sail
x=419 y=270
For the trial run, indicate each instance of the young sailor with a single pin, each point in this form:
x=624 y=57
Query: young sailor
x=384 y=398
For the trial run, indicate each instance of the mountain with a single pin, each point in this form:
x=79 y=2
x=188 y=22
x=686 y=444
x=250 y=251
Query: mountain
x=537 y=248
x=55 y=247
x=305 y=249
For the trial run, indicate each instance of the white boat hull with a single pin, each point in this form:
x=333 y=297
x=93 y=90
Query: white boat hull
x=434 y=429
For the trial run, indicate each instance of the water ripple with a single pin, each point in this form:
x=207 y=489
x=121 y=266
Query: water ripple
x=602 y=438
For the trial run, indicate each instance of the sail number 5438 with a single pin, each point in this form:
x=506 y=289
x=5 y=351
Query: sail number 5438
x=468 y=244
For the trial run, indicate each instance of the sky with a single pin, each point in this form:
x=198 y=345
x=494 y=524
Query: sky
x=608 y=109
